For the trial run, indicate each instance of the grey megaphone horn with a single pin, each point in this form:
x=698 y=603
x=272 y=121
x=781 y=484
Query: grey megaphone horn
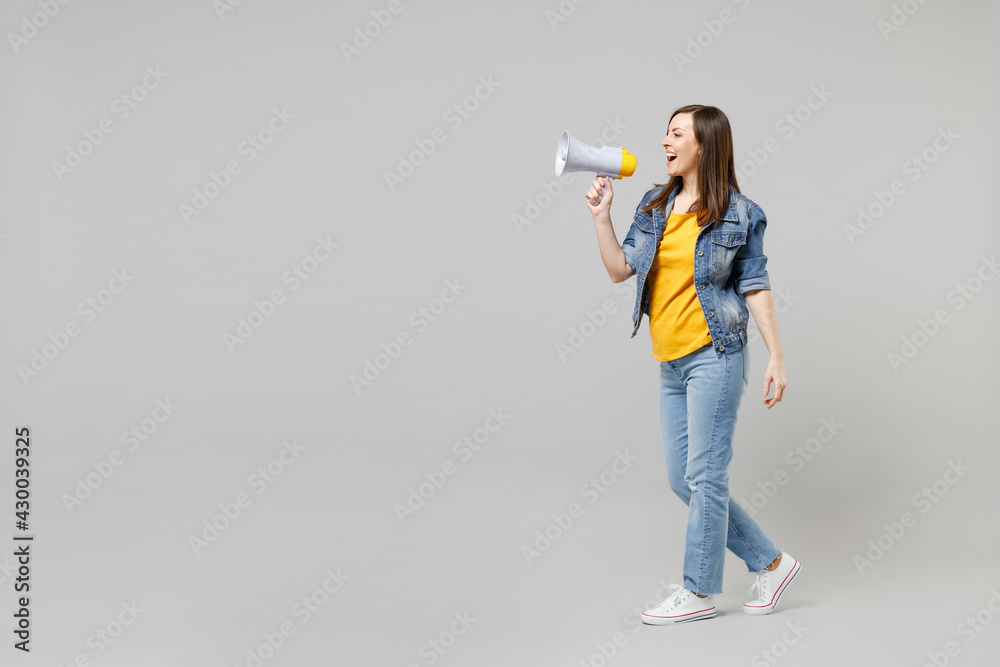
x=574 y=155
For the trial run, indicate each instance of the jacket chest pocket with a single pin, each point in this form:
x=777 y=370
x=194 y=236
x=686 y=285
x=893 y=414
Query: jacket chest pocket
x=644 y=242
x=725 y=245
x=646 y=234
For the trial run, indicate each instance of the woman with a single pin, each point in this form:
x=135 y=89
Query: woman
x=701 y=270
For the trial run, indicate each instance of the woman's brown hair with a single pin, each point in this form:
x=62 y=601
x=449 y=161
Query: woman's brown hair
x=716 y=168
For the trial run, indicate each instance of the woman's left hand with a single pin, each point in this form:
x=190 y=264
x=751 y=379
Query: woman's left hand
x=775 y=373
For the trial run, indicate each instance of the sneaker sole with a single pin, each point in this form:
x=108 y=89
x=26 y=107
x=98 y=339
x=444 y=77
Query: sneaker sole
x=755 y=611
x=661 y=620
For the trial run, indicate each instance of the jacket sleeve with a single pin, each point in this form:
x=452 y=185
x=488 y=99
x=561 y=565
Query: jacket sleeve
x=628 y=245
x=750 y=263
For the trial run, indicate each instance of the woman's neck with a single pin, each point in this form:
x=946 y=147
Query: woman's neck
x=685 y=199
x=689 y=190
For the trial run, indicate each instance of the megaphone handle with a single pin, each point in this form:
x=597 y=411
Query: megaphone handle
x=601 y=197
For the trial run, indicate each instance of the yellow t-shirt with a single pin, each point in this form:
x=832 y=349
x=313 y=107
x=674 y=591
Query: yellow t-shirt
x=676 y=322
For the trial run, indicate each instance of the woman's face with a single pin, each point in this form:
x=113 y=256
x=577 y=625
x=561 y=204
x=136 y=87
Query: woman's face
x=680 y=141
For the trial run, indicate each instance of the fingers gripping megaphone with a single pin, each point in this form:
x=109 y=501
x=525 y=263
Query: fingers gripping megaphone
x=574 y=155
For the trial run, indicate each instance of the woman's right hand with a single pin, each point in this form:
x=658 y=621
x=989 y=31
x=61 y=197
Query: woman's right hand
x=601 y=185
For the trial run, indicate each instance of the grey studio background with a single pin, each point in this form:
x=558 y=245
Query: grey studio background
x=200 y=246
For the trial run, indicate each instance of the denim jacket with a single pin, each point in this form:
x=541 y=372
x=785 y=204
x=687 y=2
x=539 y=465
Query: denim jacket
x=729 y=261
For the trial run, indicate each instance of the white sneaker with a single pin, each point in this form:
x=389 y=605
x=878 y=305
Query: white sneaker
x=770 y=585
x=682 y=606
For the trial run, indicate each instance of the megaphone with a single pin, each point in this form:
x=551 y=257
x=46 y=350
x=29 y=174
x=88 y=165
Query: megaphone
x=574 y=155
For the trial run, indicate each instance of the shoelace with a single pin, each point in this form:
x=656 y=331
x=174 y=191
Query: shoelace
x=759 y=579
x=674 y=598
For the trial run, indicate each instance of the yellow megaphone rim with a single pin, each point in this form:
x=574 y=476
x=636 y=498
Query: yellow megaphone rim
x=628 y=164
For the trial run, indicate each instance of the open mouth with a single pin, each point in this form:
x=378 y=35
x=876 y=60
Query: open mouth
x=671 y=158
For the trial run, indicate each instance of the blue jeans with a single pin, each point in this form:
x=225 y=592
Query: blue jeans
x=700 y=394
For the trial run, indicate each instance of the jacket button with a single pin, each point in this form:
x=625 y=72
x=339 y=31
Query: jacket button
x=700 y=253
x=722 y=349
x=702 y=286
x=711 y=314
